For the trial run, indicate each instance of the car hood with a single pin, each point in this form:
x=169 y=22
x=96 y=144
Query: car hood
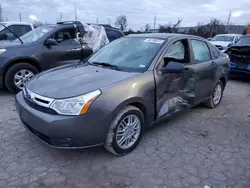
x=7 y=44
x=74 y=80
x=220 y=43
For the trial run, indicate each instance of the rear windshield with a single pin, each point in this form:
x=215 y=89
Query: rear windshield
x=223 y=38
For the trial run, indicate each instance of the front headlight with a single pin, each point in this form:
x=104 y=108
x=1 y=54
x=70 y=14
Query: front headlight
x=76 y=105
x=2 y=51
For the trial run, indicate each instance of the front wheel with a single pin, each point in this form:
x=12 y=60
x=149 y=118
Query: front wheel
x=17 y=76
x=216 y=95
x=125 y=131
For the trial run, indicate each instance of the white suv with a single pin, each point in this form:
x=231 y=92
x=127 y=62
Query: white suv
x=223 y=41
x=19 y=28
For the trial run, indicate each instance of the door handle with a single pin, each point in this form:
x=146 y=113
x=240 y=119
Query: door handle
x=213 y=64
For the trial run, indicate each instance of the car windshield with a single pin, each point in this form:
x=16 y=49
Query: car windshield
x=244 y=41
x=223 y=38
x=128 y=53
x=35 y=34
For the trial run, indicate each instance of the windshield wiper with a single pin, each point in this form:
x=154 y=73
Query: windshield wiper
x=106 y=65
x=12 y=33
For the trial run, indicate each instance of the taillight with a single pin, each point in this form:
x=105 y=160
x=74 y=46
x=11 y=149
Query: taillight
x=229 y=60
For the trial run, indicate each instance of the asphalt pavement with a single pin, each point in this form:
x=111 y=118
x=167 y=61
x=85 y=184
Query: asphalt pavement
x=196 y=148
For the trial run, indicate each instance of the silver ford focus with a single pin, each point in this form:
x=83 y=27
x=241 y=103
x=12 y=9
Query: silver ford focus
x=122 y=89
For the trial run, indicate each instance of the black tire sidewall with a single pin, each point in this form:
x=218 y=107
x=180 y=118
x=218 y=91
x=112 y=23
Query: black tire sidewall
x=115 y=146
x=9 y=76
x=222 y=87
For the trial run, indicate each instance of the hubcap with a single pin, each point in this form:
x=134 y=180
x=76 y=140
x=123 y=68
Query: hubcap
x=217 y=94
x=21 y=77
x=128 y=131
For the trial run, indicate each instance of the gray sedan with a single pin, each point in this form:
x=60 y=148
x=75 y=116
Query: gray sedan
x=121 y=90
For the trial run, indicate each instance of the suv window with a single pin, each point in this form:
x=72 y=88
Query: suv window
x=10 y=36
x=112 y=35
x=19 y=30
x=201 y=51
x=28 y=28
x=66 y=36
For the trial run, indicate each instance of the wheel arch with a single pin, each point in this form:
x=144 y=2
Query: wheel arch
x=29 y=60
x=135 y=101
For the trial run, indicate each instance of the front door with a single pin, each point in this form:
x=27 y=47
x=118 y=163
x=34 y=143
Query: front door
x=175 y=91
x=66 y=51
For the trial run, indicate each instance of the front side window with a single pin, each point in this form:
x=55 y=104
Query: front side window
x=129 y=53
x=66 y=36
x=201 y=51
x=176 y=51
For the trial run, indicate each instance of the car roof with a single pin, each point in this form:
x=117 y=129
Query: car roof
x=16 y=23
x=231 y=35
x=164 y=35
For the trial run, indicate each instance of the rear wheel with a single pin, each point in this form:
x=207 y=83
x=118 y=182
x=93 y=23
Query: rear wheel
x=125 y=131
x=17 y=76
x=216 y=95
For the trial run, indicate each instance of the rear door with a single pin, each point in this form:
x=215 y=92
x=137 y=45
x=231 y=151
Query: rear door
x=66 y=51
x=204 y=68
x=175 y=91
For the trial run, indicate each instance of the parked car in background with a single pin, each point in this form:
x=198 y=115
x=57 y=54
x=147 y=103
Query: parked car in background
x=115 y=94
x=18 y=28
x=240 y=57
x=43 y=48
x=223 y=41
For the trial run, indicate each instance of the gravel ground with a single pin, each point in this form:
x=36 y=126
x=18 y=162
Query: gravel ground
x=196 y=148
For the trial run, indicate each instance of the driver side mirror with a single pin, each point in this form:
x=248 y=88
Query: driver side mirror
x=50 y=42
x=172 y=67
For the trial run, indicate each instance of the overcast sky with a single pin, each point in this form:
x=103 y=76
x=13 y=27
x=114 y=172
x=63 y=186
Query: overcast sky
x=138 y=12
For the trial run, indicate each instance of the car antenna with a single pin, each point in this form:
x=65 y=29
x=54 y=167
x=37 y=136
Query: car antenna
x=12 y=32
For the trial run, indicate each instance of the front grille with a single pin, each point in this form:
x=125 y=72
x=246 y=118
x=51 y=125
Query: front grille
x=38 y=102
x=40 y=108
x=37 y=133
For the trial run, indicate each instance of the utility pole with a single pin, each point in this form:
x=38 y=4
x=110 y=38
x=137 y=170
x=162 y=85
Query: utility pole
x=228 y=20
x=1 y=13
x=154 y=20
x=75 y=13
x=20 y=17
x=61 y=17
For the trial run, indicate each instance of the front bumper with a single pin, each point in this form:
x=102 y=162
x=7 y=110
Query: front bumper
x=67 y=132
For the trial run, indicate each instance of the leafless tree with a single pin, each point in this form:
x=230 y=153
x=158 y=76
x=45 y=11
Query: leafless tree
x=121 y=22
x=147 y=28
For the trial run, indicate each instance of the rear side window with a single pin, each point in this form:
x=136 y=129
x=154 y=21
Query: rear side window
x=28 y=28
x=112 y=35
x=201 y=51
x=20 y=30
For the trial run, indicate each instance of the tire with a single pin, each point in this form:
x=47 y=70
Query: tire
x=111 y=144
x=210 y=103
x=10 y=75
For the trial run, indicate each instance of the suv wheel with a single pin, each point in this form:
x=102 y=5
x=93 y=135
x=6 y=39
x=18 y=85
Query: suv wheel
x=216 y=95
x=17 y=76
x=125 y=131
